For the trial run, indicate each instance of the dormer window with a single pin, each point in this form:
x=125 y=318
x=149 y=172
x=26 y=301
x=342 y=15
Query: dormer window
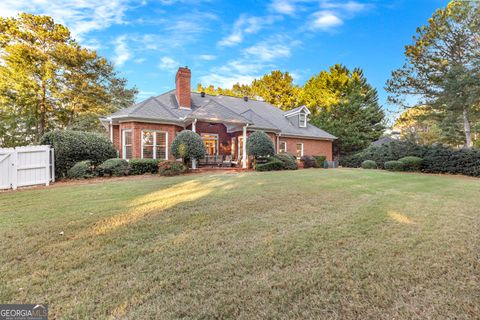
x=302 y=120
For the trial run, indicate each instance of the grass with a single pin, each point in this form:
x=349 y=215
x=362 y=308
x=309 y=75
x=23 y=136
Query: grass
x=346 y=243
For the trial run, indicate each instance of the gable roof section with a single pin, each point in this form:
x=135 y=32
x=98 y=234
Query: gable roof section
x=297 y=110
x=259 y=122
x=216 y=112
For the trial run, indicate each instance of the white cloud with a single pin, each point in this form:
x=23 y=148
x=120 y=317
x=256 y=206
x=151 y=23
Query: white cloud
x=207 y=57
x=266 y=52
x=121 y=51
x=325 y=20
x=350 y=6
x=245 y=25
x=168 y=64
x=283 y=6
x=226 y=81
x=80 y=16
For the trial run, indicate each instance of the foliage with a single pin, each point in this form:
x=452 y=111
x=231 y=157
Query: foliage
x=394 y=165
x=320 y=161
x=142 y=166
x=74 y=146
x=188 y=145
x=48 y=81
x=309 y=161
x=259 y=144
x=344 y=104
x=419 y=125
x=171 y=168
x=369 y=164
x=411 y=163
x=271 y=165
x=289 y=161
x=81 y=170
x=443 y=66
x=113 y=167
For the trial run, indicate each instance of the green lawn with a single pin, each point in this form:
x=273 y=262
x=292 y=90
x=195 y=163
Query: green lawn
x=344 y=243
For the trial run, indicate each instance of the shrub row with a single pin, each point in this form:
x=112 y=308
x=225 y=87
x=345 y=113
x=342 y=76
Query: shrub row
x=435 y=158
x=281 y=161
x=120 y=167
x=313 y=161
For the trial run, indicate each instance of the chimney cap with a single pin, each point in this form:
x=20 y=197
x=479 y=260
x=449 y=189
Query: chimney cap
x=245 y=98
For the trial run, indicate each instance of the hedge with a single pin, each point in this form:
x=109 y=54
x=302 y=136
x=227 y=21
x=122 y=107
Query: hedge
x=308 y=161
x=436 y=158
x=411 y=163
x=271 y=165
x=259 y=144
x=142 y=166
x=369 y=164
x=171 y=168
x=81 y=170
x=289 y=161
x=73 y=146
x=188 y=145
x=393 y=165
x=320 y=161
x=113 y=167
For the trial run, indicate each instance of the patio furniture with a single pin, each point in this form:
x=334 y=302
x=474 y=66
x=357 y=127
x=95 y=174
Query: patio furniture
x=227 y=162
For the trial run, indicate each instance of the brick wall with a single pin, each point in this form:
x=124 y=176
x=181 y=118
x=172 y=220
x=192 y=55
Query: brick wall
x=310 y=147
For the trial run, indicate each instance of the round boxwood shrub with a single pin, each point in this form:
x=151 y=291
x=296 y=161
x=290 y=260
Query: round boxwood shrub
x=369 y=164
x=171 y=168
x=411 y=163
x=142 y=166
x=289 y=161
x=272 y=164
x=259 y=144
x=188 y=145
x=113 y=167
x=320 y=160
x=74 y=146
x=81 y=170
x=393 y=165
x=308 y=161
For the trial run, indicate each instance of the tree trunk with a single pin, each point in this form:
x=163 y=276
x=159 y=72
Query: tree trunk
x=42 y=121
x=466 y=129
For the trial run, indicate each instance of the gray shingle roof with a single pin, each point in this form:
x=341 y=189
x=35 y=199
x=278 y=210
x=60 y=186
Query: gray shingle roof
x=258 y=114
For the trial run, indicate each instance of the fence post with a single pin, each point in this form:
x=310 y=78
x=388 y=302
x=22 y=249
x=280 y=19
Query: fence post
x=13 y=169
x=47 y=166
x=52 y=164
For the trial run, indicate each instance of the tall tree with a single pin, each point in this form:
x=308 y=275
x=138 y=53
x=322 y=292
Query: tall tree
x=277 y=88
x=346 y=106
x=48 y=81
x=419 y=125
x=441 y=67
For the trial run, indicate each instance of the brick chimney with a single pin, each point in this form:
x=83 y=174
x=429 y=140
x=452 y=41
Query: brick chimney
x=182 y=85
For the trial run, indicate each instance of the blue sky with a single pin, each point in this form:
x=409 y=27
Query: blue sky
x=227 y=42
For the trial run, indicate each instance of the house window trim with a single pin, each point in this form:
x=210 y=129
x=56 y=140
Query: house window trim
x=301 y=153
x=280 y=146
x=304 y=120
x=155 y=143
x=124 y=147
x=216 y=140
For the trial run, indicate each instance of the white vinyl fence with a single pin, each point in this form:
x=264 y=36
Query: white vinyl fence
x=26 y=166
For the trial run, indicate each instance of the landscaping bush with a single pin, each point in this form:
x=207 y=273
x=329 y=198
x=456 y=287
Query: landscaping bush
x=74 y=146
x=320 y=160
x=369 y=164
x=289 y=161
x=411 y=163
x=113 y=167
x=271 y=165
x=81 y=170
x=171 y=168
x=188 y=145
x=259 y=144
x=142 y=166
x=308 y=162
x=393 y=165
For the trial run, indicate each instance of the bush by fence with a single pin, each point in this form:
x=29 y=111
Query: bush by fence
x=142 y=166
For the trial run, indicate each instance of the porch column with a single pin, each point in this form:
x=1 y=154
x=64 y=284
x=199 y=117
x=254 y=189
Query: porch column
x=244 y=155
x=277 y=150
x=111 y=131
x=194 y=129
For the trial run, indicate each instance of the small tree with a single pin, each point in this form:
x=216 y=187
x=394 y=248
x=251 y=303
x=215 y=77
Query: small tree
x=260 y=145
x=188 y=145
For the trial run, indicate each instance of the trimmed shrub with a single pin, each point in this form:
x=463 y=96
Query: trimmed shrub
x=188 y=145
x=171 y=168
x=393 y=165
x=369 y=164
x=113 y=167
x=259 y=144
x=320 y=161
x=289 y=161
x=74 y=146
x=81 y=170
x=411 y=163
x=142 y=166
x=271 y=165
x=308 y=162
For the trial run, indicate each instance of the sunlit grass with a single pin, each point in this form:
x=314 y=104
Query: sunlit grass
x=321 y=244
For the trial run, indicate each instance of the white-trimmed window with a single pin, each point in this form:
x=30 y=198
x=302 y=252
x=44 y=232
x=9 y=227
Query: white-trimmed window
x=282 y=147
x=210 y=141
x=299 y=150
x=127 y=144
x=154 y=144
x=302 y=120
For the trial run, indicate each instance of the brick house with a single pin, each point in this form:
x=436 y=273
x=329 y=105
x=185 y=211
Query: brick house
x=147 y=129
